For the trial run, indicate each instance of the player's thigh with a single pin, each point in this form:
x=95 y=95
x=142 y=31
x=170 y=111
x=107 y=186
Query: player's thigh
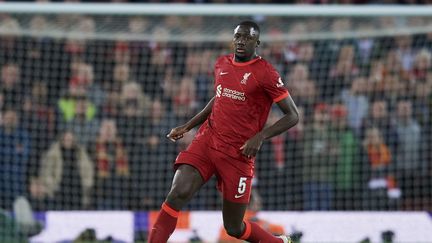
x=187 y=180
x=234 y=179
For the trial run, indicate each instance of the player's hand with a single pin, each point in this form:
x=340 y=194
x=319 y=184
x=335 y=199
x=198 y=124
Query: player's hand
x=177 y=133
x=251 y=147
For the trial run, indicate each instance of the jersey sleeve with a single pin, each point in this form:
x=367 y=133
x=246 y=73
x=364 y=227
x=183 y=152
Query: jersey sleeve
x=273 y=85
x=216 y=68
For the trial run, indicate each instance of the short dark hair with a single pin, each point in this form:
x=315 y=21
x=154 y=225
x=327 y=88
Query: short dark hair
x=250 y=23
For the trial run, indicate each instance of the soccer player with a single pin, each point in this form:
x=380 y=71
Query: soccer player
x=231 y=134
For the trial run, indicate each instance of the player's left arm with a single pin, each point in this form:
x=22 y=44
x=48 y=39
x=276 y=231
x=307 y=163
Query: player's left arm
x=290 y=119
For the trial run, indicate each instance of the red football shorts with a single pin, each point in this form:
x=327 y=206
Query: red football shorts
x=210 y=156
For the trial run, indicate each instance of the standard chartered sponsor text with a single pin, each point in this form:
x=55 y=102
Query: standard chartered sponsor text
x=233 y=94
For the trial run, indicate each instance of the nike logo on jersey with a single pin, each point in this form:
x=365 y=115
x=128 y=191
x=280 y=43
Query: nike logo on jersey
x=223 y=73
x=238 y=196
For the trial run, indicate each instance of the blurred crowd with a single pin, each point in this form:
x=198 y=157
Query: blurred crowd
x=83 y=121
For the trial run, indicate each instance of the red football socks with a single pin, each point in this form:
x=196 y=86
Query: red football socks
x=164 y=226
x=254 y=233
x=167 y=220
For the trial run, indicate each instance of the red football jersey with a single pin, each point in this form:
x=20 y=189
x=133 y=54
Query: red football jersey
x=245 y=93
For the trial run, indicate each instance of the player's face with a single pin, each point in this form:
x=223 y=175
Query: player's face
x=245 y=41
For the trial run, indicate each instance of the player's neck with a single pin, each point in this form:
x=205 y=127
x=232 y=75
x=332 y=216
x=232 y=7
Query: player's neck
x=244 y=59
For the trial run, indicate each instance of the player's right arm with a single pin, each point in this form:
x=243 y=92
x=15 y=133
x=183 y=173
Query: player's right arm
x=178 y=132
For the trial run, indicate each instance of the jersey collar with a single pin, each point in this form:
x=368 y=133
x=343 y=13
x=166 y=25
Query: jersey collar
x=241 y=64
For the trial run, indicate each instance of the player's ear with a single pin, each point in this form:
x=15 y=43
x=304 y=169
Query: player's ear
x=258 y=42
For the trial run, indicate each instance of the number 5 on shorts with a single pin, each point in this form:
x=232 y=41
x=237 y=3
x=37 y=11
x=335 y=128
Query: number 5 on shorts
x=242 y=185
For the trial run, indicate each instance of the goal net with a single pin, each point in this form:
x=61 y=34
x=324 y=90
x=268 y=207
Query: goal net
x=88 y=94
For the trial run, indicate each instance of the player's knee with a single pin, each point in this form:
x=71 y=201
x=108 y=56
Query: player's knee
x=234 y=231
x=180 y=193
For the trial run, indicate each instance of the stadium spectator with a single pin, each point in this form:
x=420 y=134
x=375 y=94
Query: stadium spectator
x=409 y=164
x=82 y=77
x=139 y=49
x=378 y=153
x=75 y=48
x=376 y=74
x=422 y=113
x=393 y=65
x=319 y=161
x=422 y=104
x=183 y=105
x=422 y=66
x=291 y=50
x=185 y=95
x=276 y=166
x=113 y=173
x=79 y=49
x=273 y=52
x=303 y=89
x=348 y=173
x=84 y=123
x=157 y=128
x=132 y=124
x=112 y=84
x=159 y=65
x=122 y=53
x=329 y=49
x=366 y=48
x=111 y=106
x=378 y=117
x=380 y=177
x=151 y=159
x=198 y=67
x=394 y=88
x=11 y=86
x=134 y=112
x=294 y=159
x=66 y=176
x=14 y=157
x=403 y=48
x=357 y=103
x=37 y=52
x=11 y=46
x=66 y=105
x=38 y=118
x=306 y=56
x=342 y=72
x=140 y=65
x=380 y=80
x=121 y=76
